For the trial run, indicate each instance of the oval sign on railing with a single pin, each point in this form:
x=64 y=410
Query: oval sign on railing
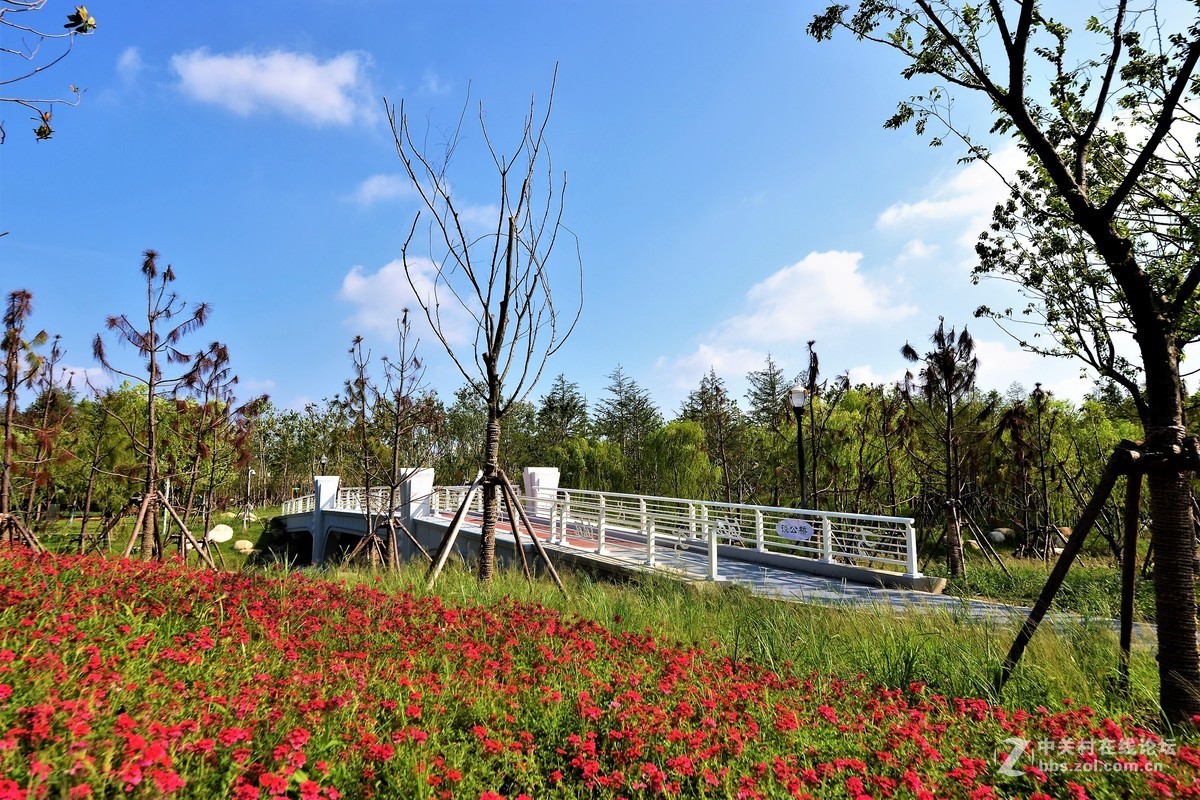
x=795 y=529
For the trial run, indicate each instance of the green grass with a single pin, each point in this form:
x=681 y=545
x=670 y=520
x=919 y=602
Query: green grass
x=62 y=536
x=1092 y=586
x=949 y=652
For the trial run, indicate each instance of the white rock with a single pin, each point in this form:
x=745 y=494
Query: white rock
x=220 y=533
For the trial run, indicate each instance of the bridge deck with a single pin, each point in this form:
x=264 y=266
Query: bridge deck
x=625 y=552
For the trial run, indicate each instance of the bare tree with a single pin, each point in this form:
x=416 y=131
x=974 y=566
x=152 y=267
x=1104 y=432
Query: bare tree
x=52 y=387
x=358 y=396
x=407 y=408
x=16 y=349
x=945 y=384
x=37 y=49
x=388 y=419
x=159 y=345
x=498 y=277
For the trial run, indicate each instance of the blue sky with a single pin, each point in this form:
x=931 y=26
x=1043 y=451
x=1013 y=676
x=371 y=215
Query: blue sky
x=730 y=183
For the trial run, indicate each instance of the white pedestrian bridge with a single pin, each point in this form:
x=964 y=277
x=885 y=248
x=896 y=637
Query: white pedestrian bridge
x=771 y=549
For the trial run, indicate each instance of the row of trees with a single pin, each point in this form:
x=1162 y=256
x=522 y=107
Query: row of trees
x=933 y=446
x=173 y=422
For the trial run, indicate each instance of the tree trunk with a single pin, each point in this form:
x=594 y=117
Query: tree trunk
x=10 y=409
x=491 y=477
x=150 y=533
x=1173 y=539
x=87 y=509
x=954 y=542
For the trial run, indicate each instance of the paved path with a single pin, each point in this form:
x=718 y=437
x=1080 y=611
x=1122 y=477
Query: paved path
x=689 y=562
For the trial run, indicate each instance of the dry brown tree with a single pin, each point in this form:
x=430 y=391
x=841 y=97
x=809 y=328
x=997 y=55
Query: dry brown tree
x=159 y=345
x=21 y=367
x=495 y=274
x=27 y=42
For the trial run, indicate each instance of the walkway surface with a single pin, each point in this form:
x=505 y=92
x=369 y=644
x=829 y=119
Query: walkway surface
x=688 y=561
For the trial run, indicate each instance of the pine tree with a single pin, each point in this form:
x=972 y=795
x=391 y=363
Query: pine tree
x=627 y=417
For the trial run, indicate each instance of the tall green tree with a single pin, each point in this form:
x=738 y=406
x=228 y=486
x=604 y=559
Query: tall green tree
x=592 y=464
x=627 y=416
x=102 y=452
x=680 y=461
x=718 y=415
x=1100 y=225
x=563 y=412
x=768 y=409
x=823 y=398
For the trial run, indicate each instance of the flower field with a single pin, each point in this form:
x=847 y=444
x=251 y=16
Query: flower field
x=124 y=679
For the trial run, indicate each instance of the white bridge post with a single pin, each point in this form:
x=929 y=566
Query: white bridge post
x=325 y=495
x=712 y=553
x=600 y=528
x=910 y=545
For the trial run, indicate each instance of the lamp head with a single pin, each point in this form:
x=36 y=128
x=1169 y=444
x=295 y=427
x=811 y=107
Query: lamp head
x=798 y=396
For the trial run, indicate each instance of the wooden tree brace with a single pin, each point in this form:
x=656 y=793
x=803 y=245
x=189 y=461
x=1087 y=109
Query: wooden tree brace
x=1132 y=460
x=1122 y=461
x=537 y=543
x=1183 y=456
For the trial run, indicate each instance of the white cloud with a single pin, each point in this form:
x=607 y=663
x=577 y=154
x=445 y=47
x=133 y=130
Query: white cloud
x=916 y=250
x=866 y=373
x=380 y=297
x=432 y=83
x=684 y=373
x=822 y=292
x=249 y=388
x=379 y=188
x=479 y=218
x=130 y=64
x=824 y=296
x=1001 y=364
x=83 y=377
x=333 y=92
x=969 y=195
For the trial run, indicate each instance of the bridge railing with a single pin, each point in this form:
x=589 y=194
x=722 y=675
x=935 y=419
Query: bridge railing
x=355 y=499
x=300 y=505
x=447 y=499
x=576 y=516
x=581 y=518
x=887 y=543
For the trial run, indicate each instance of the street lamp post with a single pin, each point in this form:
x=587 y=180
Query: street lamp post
x=798 y=397
x=246 y=511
